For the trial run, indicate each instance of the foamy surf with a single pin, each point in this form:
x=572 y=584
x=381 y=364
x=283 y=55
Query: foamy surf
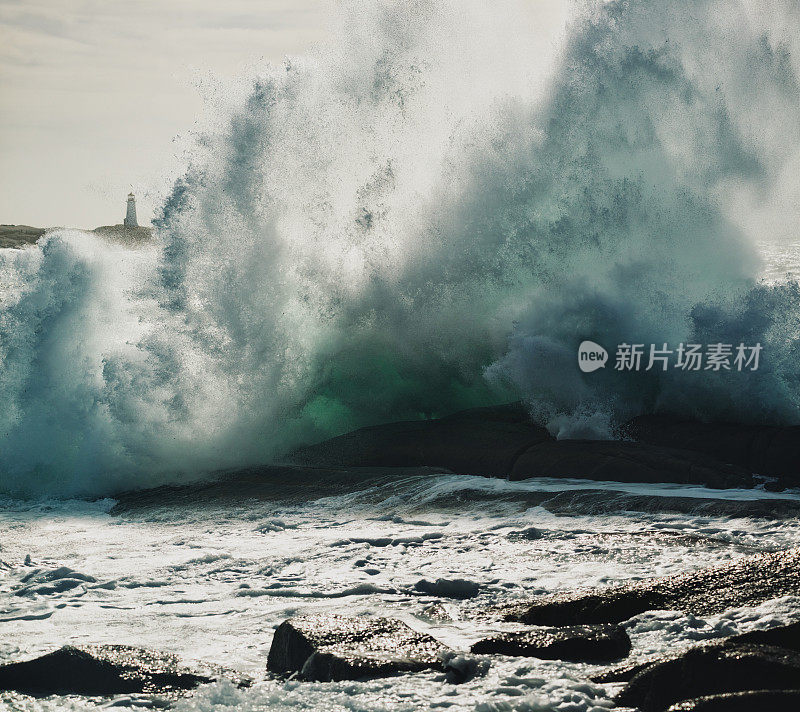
x=211 y=583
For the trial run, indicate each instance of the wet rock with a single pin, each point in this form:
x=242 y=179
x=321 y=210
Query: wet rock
x=583 y=643
x=753 y=701
x=101 y=670
x=498 y=441
x=599 y=502
x=482 y=441
x=745 y=582
x=624 y=673
x=326 y=648
x=787 y=636
x=775 y=485
x=712 y=670
x=626 y=462
x=767 y=450
x=501 y=441
x=529 y=534
x=448 y=588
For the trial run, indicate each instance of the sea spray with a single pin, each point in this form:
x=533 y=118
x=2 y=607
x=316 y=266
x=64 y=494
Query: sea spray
x=424 y=214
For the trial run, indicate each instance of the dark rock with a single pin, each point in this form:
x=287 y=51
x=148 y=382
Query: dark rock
x=498 y=441
x=624 y=673
x=787 y=636
x=711 y=670
x=448 y=588
x=482 y=441
x=100 y=670
x=596 y=502
x=748 y=581
x=501 y=441
x=751 y=701
x=611 y=605
x=617 y=461
x=765 y=449
x=529 y=534
x=583 y=643
x=328 y=648
x=504 y=413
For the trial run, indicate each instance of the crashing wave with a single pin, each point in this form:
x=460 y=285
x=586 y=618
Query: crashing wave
x=422 y=215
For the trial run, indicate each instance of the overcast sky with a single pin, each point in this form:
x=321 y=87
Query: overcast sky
x=93 y=92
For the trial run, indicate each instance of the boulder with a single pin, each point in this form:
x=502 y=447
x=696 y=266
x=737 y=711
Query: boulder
x=764 y=449
x=787 y=636
x=751 y=701
x=745 y=582
x=582 y=643
x=100 y=670
x=624 y=673
x=711 y=670
x=327 y=648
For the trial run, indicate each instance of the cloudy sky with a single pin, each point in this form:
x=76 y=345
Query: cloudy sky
x=93 y=93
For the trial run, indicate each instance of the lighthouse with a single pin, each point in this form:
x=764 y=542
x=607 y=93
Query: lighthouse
x=130 y=215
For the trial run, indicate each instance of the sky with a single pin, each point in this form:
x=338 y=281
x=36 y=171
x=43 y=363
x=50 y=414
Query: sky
x=95 y=94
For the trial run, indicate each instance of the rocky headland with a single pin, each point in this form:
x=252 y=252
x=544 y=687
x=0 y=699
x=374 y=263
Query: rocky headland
x=17 y=236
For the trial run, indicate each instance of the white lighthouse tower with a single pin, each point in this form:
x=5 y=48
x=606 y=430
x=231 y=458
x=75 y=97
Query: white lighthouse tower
x=130 y=215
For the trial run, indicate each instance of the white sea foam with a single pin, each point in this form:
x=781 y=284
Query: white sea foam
x=203 y=583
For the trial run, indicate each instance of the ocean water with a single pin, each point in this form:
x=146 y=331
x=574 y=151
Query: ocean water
x=211 y=582
x=428 y=212
x=781 y=262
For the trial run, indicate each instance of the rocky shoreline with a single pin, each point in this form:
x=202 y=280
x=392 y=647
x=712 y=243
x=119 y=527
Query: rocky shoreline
x=754 y=670
x=739 y=672
x=502 y=441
